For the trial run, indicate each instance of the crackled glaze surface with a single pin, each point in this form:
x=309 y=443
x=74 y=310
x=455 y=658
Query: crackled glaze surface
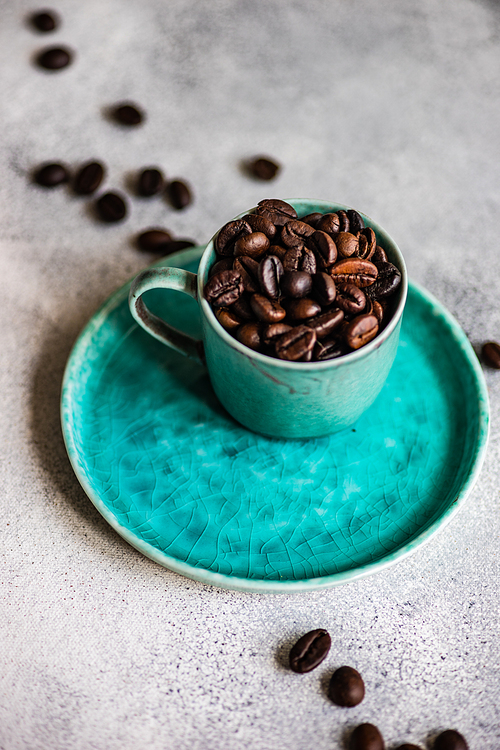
x=188 y=486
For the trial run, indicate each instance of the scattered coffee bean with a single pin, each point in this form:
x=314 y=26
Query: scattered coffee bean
x=491 y=354
x=450 y=740
x=46 y=21
x=51 y=175
x=111 y=207
x=154 y=241
x=346 y=687
x=128 y=114
x=263 y=168
x=310 y=651
x=150 y=182
x=88 y=178
x=179 y=194
x=366 y=737
x=55 y=58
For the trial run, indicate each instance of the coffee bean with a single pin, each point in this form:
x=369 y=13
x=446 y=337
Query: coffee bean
x=312 y=219
x=224 y=264
x=277 y=211
x=356 y=222
x=154 y=241
x=310 y=651
x=346 y=687
x=228 y=319
x=180 y=194
x=323 y=247
x=296 y=284
x=224 y=288
x=367 y=243
x=273 y=331
x=295 y=232
x=302 y=309
x=366 y=737
x=46 y=21
x=229 y=234
x=128 y=114
x=111 y=207
x=329 y=223
x=347 y=244
x=491 y=354
x=88 y=178
x=450 y=740
x=387 y=281
x=293 y=345
x=250 y=335
x=378 y=309
x=379 y=256
x=242 y=308
x=254 y=245
x=248 y=268
x=263 y=168
x=361 y=331
x=269 y=311
x=279 y=251
x=344 y=225
x=51 y=175
x=261 y=224
x=329 y=348
x=350 y=298
x=324 y=288
x=356 y=271
x=55 y=58
x=270 y=273
x=407 y=746
x=326 y=323
x=150 y=182
x=300 y=259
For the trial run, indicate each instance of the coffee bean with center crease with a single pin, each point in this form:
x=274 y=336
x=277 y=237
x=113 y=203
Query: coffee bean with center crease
x=491 y=354
x=46 y=21
x=150 y=182
x=261 y=224
x=302 y=309
x=310 y=651
x=361 y=331
x=296 y=284
x=356 y=271
x=387 y=281
x=224 y=288
x=263 y=168
x=312 y=219
x=326 y=323
x=51 y=175
x=266 y=309
x=295 y=232
x=329 y=223
x=254 y=245
x=273 y=331
x=346 y=687
x=356 y=222
x=329 y=348
x=88 y=178
x=379 y=256
x=270 y=273
x=111 y=207
x=128 y=114
x=277 y=211
x=347 y=244
x=180 y=194
x=55 y=58
x=300 y=259
x=450 y=740
x=366 y=737
x=323 y=247
x=229 y=234
x=350 y=298
x=295 y=344
x=324 y=288
x=367 y=243
x=248 y=268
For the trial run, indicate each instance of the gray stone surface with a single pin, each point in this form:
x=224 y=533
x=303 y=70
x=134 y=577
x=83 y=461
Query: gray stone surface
x=390 y=106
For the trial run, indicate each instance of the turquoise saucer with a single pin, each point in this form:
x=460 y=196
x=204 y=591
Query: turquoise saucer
x=190 y=488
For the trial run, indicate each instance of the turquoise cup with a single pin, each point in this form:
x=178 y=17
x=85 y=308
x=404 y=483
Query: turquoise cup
x=271 y=396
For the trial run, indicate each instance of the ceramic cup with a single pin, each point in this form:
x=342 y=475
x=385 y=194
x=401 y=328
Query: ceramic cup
x=271 y=396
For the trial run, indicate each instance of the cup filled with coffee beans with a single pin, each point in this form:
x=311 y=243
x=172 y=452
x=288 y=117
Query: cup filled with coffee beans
x=301 y=304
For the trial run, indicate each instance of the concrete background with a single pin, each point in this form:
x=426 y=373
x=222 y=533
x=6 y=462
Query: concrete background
x=390 y=106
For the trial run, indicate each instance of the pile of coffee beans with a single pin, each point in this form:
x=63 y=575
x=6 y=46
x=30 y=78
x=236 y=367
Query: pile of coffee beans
x=302 y=290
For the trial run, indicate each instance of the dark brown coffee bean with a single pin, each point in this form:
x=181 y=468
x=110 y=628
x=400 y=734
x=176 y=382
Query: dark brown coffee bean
x=324 y=288
x=346 y=687
x=347 y=244
x=310 y=651
x=329 y=348
x=224 y=264
x=491 y=354
x=300 y=259
x=267 y=310
x=361 y=330
x=228 y=319
x=55 y=58
x=295 y=232
x=128 y=114
x=261 y=224
x=302 y=309
x=329 y=223
x=377 y=309
x=88 y=178
x=407 y=746
x=154 y=241
x=293 y=345
x=387 y=281
x=242 y=308
x=350 y=298
x=450 y=740
x=179 y=194
x=250 y=335
x=277 y=211
x=229 y=234
x=253 y=245
x=273 y=331
x=270 y=273
x=46 y=21
x=379 y=256
x=51 y=175
x=312 y=219
x=296 y=284
x=323 y=247
x=367 y=241
x=326 y=323
x=111 y=207
x=224 y=288
x=150 y=182
x=366 y=737
x=356 y=222
x=263 y=168
x=248 y=268
x=344 y=225
x=354 y=271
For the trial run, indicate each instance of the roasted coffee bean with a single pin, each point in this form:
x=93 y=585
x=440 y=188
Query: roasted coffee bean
x=248 y=268
x=326 y=323
x=407 y=746
x=228 y=319
x=295 y=232
x=379 y=256
x=224 y=288
x=302 y=309
x=377 y=309
x=276 y=211
x=150 y=182
x=296 y=284
x=267 y=310
x=261 y=224
x=154 y=240
x=242 y=308
x=347 y=244
x=310 y=651
x=229 y=234
x=361 y=330
x=324 y=288
x=111 y=207
x=450 y=740
x=270 y=273
x=491 y=354
x=387 y=281
x=367 y=243
x=88 y=178
x=55 y=58
x=312 y=219
x=224 y=264
x=354 y=271
x=346 y=687
x=263 y=168
x=273 y=331
x=254 y=245
x=329 y=223
x=323 y=247
x=128 y=114
x=366 y=737
x=51 y=175
x=250 y=335
x=356 y=222
x=350 y=298
x=329 y=348
x=179 y=194
x=46 y=21
x=295 y=344
x=344 y=225
x=279 y=251
x=300 y=259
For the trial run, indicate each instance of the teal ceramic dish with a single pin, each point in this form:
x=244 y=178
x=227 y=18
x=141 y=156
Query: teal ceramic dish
x=189 y=487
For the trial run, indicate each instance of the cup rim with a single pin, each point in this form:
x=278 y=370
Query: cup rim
x=338 y=362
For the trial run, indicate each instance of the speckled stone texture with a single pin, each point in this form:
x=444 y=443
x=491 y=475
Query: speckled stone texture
x=391 y=107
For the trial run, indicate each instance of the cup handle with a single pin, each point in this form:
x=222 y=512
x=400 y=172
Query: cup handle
x=165 y=278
